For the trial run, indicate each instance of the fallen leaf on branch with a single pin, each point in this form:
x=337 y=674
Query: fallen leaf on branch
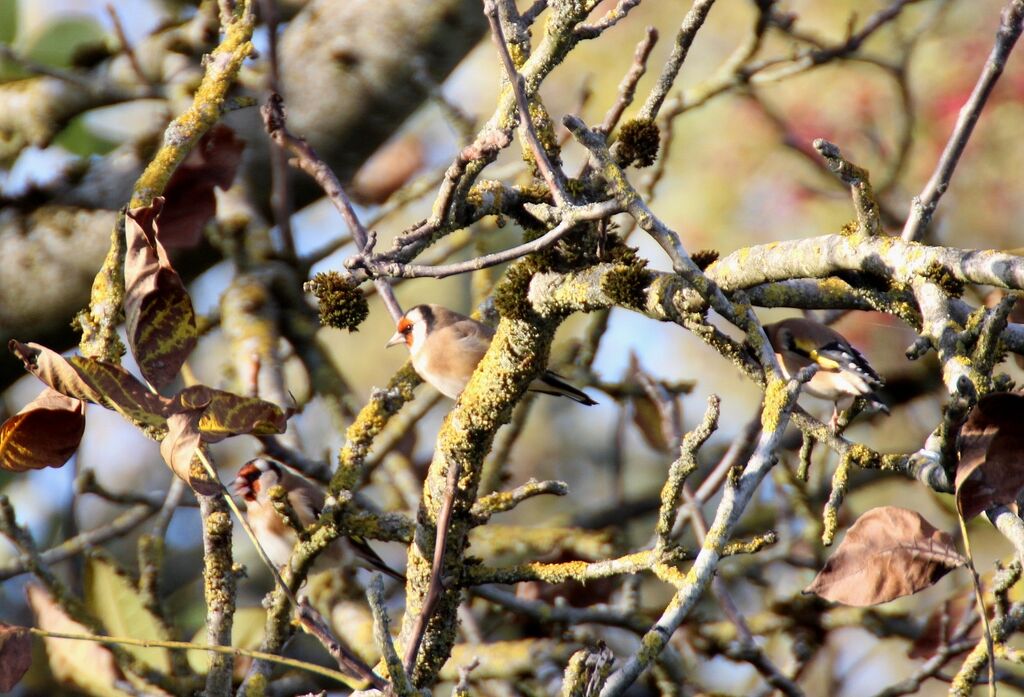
x=888 y=553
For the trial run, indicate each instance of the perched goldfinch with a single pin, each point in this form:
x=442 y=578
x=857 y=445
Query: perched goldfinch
x=843 y=373
x=255 y=480
x=446 y=348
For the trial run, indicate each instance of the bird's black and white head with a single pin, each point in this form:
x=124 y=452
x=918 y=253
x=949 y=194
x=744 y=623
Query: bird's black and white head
x=413 y=328
x=256 y=477
x=783 y=340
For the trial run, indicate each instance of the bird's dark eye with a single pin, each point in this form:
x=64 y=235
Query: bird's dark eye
x=404 y=326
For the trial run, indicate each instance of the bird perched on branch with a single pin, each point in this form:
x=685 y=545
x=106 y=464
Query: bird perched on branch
x=843 y=373
x=253 y=483
x=446 y=348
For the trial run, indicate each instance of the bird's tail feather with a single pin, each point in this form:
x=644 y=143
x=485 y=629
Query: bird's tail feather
x=372 y=559
x=549 y=383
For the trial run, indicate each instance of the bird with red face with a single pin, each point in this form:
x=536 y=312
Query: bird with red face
x=446 y=347
x=255 y=480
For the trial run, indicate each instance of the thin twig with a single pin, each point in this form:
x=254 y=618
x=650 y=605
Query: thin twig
x=627 y=88
x=691 y=24
x=309 y=162
x=553 y=176
x=280 y=191
x=613 y=17
x=382 y=633
x=444 y=517
x=923 y=206
x=122 y=39
x=189 y=646
x=573 y=215
x=126 y=522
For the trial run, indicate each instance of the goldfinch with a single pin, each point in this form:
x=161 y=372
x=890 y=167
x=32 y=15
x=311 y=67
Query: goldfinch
x=843 y=373
x=446 y=348
x=253 y=483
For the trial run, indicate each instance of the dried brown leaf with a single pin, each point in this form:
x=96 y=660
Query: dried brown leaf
x=45 y=433
x=387 y=170
x=888 y=553
x=991 y=468
x=189 y=194
x=646 y=415
x=86 y=665
x=159 y=318
x=942 y=624
x=648 y=420
x=15 y=655
x=94 y=381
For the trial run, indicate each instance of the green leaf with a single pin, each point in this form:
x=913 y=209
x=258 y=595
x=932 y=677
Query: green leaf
x=57 y=43
x=78 y=138
x=8 y=20
x=112 y=596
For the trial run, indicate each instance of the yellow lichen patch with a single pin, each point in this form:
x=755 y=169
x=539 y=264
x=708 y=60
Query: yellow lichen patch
x=776 y=401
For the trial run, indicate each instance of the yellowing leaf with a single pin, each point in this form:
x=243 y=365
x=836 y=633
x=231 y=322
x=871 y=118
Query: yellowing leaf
x=85 y=665
x=45 y=433
x=889 y=552
x=226 y=414
x=159 y=318
x=94 y=381
x=246 y=633
x=114 y=599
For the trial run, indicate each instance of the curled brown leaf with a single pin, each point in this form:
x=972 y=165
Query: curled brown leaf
x=201 y=414
x=179 y=448
x=990 y=471
x=159 y=317
x=226 y=414
x=888 y=553
x=189 y=194
x=45 y=433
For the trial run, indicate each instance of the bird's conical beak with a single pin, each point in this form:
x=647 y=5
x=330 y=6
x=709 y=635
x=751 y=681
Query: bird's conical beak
x=398 y=338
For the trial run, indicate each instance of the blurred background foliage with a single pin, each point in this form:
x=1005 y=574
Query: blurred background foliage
x=738 y=173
